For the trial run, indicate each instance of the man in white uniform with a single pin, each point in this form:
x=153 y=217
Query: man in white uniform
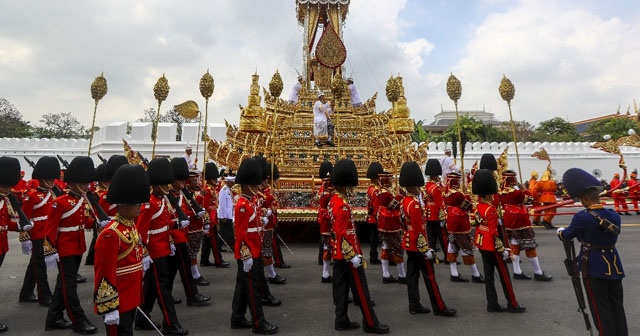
x=295 y=91
x=356 y=101
x=448 y=164
x=319 y=120
x=187 y=156
x=225 y=210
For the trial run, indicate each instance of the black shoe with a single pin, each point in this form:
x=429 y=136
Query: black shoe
x=477 y=279
x=458 y=278
x=447 y=312
x=30 y=299
x=201 y=281
x=223 y=264
x=389 y=279
x=496 y=309
x=85 y=328
x=328 y=279
x=277 y=280
x=206 y=263
x=375 y=261
x=80 y=279
x=141 y=323
x=175 y=330
x=271 y=301
x=517 y=309
x=347 y=326
x=176 y=300
x=318 y=144
x=627 y=213
x=60 y=324
x=198 y=300
x=282 y=265
x=3 y=327
x=548 y=225
x=380 y=328
x=240 y=324
x=265 y=328
x=521 y=276
x=402 y=280
x=542 y=277
x=536 y=224
x=419 y=310
x=46 y=302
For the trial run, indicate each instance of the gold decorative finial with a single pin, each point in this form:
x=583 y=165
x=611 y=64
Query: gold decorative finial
x=99 y=88
x=206 y=85
x=275 y=85
x=454 y=88
x=337 y=87
x=392 y=90
x=161 y=89
x=506 y=89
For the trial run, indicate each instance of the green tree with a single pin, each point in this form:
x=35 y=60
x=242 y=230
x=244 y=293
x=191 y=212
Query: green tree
x=555 y=130
x=11 y=123
x=616 y=127
x=524 y=130
x=61 y=126
x=171 y=116
x=471 y=130
x=419 y=134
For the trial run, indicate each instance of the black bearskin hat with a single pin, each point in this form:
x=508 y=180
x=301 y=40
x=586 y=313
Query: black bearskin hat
x=47 y=168
x=180 y=168
x=433 y=168
x=9 y=171
x=488 y=161
x=160 y=172
x=80 y=170
x=276 y=172
x=114 y=162
x=325 y=169
x=374 y=169
x=211 y=171
x=101 y=169
x=250 y=172
x=484 y=183
x=411 y=175
x=264 y=166
x=576 y=180
x=345 y=174
x=129 y=185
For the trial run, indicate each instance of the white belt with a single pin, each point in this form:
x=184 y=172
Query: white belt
x=71 y=228
x=156 y=231
x=254 y=229
x=41 y=218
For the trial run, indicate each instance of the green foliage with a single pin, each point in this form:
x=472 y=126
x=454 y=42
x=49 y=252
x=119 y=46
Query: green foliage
x=61 y=126
x=616 y=127
x=171 y=116
x=555 y=130
x=419 y=134
x=11 y=123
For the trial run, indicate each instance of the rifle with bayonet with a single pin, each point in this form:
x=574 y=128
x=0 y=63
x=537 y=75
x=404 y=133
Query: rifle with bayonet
x=102 y=159
x=572 y=269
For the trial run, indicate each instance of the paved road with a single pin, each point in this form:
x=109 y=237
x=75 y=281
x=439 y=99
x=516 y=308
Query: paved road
x=307 y=305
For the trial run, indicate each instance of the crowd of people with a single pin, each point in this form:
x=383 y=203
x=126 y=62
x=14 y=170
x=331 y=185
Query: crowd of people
x=153 y=224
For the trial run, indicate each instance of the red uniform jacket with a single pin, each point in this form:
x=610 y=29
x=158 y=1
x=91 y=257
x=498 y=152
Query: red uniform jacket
x=209 y=196
x=269 y=201
x=153 y=224
x=248 y=229
x=36 y=205
x=323 y=212
x=388 y=211
x=415 y=236
x=515 y=215
x=8 y=221
x=181 y=235
x=434 y=200
x=488 y=233
x=118 y=268
x=345 y=244
x=372 y=191
x=457 y=218
x=68 y=217
x=109 y=208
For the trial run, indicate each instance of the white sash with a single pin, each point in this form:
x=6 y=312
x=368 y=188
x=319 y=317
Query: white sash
x=44 y=201
x=73 y=210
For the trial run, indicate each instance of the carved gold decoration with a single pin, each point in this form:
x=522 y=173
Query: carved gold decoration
x=632 y=140
x=609 y=146
x=98 y=91
x=160 y=92
x=400 y=122
x=252 y=118
x=330 y=50
x=454 y=88
x=206 y=85
x=506 y=89
x=337 y=87
x=106 y=297
x=134 y=157
x=392 y=90
x=275 y=85
x=188 y=109
x=541 y=154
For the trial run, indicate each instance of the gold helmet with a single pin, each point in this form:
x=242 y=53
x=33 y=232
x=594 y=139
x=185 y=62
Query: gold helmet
x=534 y=174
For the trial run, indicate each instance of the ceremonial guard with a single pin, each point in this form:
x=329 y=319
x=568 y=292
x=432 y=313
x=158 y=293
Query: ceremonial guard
x=348 y=265
x=36 y=205
x=153 y=224
x=634 y=192
x=9 y=207
x=415 y=242
x=432 y=196
x=490 y=240
x=370 y=228
x=209 y=200
x=324 y=222
x=458 y=206
x=618 y=195
x=597 y=229
x=64 y=245
x=546 y=189
x=199 y=223
x=120 y=257
x=390 y=227
x=269 y=213
x=248 y=252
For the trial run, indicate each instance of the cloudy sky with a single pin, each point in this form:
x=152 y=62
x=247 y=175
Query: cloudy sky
x=575 y=59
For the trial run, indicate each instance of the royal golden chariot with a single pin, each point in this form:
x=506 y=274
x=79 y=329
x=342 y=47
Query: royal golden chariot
x=283 y=132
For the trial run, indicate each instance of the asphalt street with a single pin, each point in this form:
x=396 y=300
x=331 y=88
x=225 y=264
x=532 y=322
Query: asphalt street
x=307 y=307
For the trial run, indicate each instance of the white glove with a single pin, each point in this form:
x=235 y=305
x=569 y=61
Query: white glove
x=206 y=227
x=430 y=254
x=172 y=246
x=269 y=212
x=441 y=224
x=559 y=231
x=184 y=223
x=103 y=223
x=26 y=247
x=246 y=265
x=265 y=220
x=112 y=318
x=356 y=261
x=28 y=227
x=52 y=261
x=506 y=253
x=200 y=214
x=146 y=263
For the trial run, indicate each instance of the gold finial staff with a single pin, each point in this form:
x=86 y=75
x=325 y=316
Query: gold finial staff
x=206 y=90
x=160 y=92
x=454 y=90
x=507 y=91
x=275 y=89
x=98 y=91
